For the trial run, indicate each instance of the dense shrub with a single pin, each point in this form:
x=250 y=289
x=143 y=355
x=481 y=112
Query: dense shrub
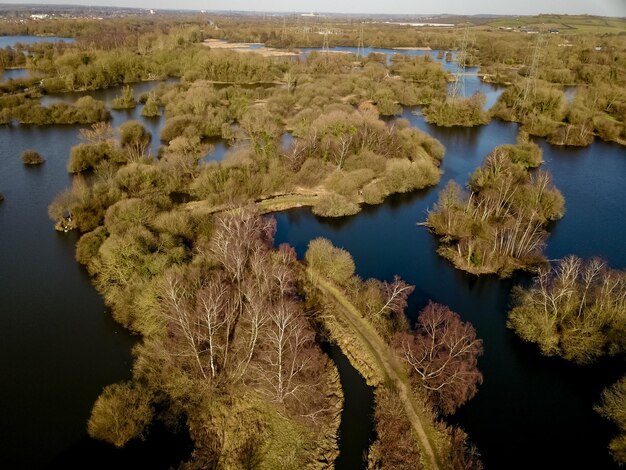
x=31 y=157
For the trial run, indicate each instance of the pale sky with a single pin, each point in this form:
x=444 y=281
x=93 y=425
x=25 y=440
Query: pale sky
x=465 y=7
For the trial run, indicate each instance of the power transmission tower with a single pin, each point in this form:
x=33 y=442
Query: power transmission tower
x=533 y=71
x=360 y=52
x=305 y=30
x=282 y=33
x=325 y=44
x=458 y=86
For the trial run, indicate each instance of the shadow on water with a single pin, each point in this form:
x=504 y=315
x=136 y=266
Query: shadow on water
x=356 y=428
x=155 y=452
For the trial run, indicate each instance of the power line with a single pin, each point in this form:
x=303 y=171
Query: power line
x=360 y=52
x=531 y=79
x=458 y=86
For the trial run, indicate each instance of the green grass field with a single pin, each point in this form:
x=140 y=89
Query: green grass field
x=567 y=24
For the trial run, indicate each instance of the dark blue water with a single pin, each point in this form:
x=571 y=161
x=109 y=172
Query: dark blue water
x=356 y=430
x=531 y=411
x=59 y=345
x=217 y=152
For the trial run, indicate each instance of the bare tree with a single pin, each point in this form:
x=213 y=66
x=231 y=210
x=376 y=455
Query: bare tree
x=395 y=295
x=215 y=318
x=442 y=354
x=176 y=297
x=285 y=342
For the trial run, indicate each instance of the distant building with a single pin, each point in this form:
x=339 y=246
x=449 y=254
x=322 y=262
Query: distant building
x=41 y=16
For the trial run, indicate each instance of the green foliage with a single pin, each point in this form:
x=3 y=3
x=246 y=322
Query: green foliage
x=151 y=107
x=141 y=180
x=613 y=407
x=134 y=138
x=498 y=226
x=85 y=110
x=127 y=213
x=334 y=263
x=576 y=310
x=88 y=245
x=88 y=156
x=120 y=414
x=465 y=112
x=335 y=205
x=126 y=100
x=538 y=106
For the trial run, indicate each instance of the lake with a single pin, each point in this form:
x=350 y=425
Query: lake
x=10 y=41
x=59 y=346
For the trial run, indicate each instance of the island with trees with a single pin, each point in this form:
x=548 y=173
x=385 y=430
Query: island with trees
x=498 y=225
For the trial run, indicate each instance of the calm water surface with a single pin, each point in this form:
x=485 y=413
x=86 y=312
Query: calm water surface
x=6 y=41
x=59 y=345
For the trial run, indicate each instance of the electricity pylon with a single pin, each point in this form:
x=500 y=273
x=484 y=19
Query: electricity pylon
x=531 y=78
x=360 y=52
x=458 y=86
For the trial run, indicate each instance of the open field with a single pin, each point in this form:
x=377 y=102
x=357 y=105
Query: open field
x=570 y=24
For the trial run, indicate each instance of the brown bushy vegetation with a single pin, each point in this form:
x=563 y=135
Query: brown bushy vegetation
x=613 y=406
x=466 y=112
x=226 y=343
x=497 y=226
x=126 y=100
x=394 y=447
x=382 y=303
x=576 y=310
x=449 y=373
x=347 y=157
x=442 y=354
x=120 y=414
x=31 y=157
x=85 y=110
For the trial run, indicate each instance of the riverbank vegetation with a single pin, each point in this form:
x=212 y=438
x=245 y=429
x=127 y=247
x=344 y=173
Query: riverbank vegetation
x=464 y=112
x=367 y=319
x=576 y=310
x=26 y=110
x=226 y=345
x=154 y=49
x=230 y=326
x=206 y=291
x=613 y=407
x=497 y=226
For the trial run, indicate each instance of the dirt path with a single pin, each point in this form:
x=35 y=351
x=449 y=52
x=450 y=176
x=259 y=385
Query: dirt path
x=389 y=366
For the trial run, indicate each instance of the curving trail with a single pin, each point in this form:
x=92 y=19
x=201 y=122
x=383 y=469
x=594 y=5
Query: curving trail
x=391 y=371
